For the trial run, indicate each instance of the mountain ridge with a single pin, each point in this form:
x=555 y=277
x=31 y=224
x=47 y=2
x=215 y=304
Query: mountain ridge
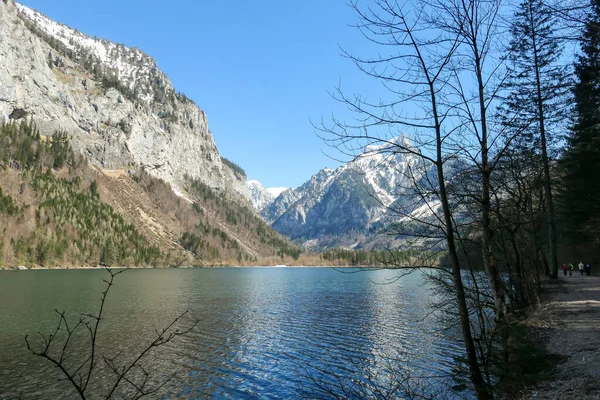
x=347 y=206
x=100 y=167
x=120 y=109
x=261 y=196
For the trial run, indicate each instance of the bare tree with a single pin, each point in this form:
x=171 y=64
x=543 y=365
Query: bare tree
x=571 y=16
x=130 y=378
x=416 y=73
x=477 y=76
x=521 y=216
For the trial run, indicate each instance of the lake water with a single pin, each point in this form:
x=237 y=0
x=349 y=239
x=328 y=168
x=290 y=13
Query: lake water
x=262 y=332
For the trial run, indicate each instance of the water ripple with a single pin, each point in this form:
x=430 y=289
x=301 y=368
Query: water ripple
x=263 y=333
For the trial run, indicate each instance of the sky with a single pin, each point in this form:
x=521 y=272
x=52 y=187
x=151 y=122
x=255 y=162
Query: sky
x=261 y=70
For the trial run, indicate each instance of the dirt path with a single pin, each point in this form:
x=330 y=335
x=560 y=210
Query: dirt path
x=569 y=323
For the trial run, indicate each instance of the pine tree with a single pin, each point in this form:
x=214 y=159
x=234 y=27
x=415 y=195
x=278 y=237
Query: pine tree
x=94 y=190
x=581 y=161
x=537 y=96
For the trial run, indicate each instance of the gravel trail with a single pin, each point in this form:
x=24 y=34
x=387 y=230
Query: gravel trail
x=569 y=322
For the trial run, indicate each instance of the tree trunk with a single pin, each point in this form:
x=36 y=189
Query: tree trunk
x=481 y=388
x=547 y=182
x=519 y=267
x=488 y=256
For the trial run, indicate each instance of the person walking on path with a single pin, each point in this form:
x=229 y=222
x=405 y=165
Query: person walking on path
x=571 y=268
x=564 y=268
x=588 y=269
x=581 y=266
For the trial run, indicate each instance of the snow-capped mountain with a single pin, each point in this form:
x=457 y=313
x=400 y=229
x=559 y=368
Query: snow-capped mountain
x=261 y=196
x=121 y=114
x=344 y=206
x=118 y=108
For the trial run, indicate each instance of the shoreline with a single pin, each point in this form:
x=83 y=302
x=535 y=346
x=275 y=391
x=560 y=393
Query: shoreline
x=23 y=268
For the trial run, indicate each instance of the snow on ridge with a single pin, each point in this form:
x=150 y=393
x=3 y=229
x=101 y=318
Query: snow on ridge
x=390 y=145
x=384 y=170
x=276 y=191
x=259 y=196
x=65 y=34
x=429 y=208
x=130 y=64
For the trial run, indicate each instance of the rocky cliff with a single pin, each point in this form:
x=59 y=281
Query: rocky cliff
x=102 y=161
x=115 y=104
x=261 y=196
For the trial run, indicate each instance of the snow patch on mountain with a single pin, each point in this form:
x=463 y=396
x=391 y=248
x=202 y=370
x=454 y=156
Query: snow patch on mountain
x=131 y=66
x=259 y=196
x=343 y=207
x=276 y=191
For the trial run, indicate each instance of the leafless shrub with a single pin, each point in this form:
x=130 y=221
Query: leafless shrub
x=73 y=349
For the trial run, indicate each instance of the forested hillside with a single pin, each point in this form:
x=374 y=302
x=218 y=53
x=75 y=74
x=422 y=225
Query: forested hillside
x=56 y=210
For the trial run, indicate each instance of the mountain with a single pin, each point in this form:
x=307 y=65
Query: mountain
x=344 y=207
x=276 y=191
x=102 y=160
x=261 y=196
x=117 y=106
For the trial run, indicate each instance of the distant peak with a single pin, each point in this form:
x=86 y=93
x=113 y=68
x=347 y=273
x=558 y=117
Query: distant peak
x=276 y=191
x=325 y=172
x=390 y=145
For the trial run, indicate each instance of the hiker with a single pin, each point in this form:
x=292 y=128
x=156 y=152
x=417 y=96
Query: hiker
x=588 y=269
x=571 y=268
x=581 y=266
x=564 y=267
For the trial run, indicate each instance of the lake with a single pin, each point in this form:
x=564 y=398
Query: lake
x=262 y=332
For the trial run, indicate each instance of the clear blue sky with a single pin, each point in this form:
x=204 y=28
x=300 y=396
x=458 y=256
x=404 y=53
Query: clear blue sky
x=260 y=69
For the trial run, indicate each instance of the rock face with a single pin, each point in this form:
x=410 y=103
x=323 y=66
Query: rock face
x=261 y=196
x=346 y=206
x=117 y=107
x=276 y=191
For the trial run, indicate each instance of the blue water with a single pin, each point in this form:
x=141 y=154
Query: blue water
x=264 y=333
